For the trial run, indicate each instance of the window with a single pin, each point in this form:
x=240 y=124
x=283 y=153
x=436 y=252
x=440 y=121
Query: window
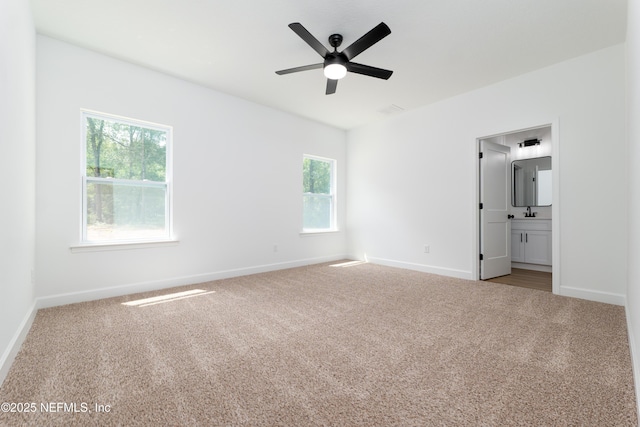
x=126 y=180
x=318 y=198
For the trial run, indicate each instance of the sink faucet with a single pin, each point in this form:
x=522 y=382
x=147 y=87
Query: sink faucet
x=528 y=213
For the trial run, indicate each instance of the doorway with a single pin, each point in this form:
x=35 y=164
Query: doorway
x=541 y=268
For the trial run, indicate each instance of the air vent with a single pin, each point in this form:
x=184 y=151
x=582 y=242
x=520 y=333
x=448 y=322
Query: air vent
x=391 y=109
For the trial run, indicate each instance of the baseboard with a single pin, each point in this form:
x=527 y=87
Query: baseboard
x=16 y=342
x=534 y=267
x=635 y=357
x=460 y=274
x=132 y=288
x=598 y=296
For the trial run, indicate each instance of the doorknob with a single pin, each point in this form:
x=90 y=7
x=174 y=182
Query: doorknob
x=510 y=216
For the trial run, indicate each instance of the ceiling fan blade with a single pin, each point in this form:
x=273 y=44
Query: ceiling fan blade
x=297 y=69
x=365 y=42
x=368 y=70
x=310 y=39
x=331 y=86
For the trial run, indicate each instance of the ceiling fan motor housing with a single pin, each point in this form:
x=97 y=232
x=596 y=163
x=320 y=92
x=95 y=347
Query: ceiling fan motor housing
x=336 y=58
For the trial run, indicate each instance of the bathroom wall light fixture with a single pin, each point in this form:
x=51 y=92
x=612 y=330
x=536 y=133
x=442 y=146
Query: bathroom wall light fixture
x=529 y=142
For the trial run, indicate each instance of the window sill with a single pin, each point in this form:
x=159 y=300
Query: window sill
x=316 y=232
x=121 y=246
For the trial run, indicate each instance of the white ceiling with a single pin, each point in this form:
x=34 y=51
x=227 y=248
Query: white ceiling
x=437 y=48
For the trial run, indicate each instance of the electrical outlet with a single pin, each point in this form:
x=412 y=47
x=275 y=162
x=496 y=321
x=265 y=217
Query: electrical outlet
x=426 y=249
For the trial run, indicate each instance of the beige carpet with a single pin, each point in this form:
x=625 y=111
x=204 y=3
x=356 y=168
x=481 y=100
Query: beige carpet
x=364 y=345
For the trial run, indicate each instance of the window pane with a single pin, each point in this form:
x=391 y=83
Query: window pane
x=125 y=211
x=316 y=176
x=316 y=212
x=135 y=204
x=123 y=151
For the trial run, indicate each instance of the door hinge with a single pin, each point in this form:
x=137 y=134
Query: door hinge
x=481 y=257
x=480 y=154
x=480 y=205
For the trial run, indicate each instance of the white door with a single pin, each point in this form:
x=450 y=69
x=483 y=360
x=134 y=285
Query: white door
x=495 y=225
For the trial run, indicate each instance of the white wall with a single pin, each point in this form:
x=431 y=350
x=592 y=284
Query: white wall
x=17 y=174
x=237 y=179
x=633 y=123
x=412 y=178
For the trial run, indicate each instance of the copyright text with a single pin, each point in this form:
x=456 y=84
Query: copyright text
x=53 y=407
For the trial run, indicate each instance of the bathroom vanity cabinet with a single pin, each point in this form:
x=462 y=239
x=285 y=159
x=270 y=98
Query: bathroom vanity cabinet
x=531 y=241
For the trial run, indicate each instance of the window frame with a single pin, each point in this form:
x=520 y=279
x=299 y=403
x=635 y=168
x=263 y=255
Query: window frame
x=333 y=216
x=167 y=184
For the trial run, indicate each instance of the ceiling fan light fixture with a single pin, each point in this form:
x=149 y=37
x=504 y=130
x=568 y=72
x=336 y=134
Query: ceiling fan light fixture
x=335 y=71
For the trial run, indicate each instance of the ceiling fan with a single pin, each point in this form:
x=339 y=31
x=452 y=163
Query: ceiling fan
x=336 y=64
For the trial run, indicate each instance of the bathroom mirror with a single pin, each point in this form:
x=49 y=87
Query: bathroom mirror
x=531 y=182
